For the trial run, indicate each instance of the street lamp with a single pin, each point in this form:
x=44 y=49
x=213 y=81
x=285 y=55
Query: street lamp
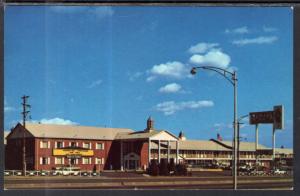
x=232 y=78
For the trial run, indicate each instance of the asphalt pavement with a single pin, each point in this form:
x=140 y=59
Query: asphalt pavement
x=122 y=180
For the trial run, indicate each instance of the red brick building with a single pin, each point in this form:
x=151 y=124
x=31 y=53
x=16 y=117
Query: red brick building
x=49 y=147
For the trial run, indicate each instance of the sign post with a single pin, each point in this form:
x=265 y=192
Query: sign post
x=275 y=117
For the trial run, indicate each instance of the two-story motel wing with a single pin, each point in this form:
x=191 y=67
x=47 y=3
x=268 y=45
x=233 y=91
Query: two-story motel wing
x=52 y=146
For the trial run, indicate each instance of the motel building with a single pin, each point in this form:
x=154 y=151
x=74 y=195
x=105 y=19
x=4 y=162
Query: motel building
x=49 y=147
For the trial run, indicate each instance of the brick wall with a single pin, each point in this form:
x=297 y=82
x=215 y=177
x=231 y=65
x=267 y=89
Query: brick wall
x=14 y=154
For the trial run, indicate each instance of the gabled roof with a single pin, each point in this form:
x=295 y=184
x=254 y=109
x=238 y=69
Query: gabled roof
x=71 y=131
x=136 y=135
x=145 y=135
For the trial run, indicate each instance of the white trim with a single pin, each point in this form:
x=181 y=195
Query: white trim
x=41 y=160
x=48 y=144
x=48 y=161
x=41 y=144
x=63 y=160
x=102 y=161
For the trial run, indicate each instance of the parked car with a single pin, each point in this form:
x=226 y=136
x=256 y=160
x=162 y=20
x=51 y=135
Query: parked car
x=85 y=173
x=94 y=174
x=55 y=173
x=7 y=173
x=43 y=173
x=31 y=173
x=279 y=172
x=66 y=171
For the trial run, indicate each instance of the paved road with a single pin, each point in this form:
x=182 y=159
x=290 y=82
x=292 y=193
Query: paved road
x=144 y=182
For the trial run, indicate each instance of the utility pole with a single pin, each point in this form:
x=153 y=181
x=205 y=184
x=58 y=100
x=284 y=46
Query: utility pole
x=24 y=115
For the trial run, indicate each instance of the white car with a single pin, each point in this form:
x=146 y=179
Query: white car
x=279 y=172
x=66 y=171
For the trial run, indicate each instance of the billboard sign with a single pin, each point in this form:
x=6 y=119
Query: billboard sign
x=261 y=117
x=275 y=117
x=278 y=117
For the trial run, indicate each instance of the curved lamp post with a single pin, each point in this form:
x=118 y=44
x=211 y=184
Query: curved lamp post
x=232 y=78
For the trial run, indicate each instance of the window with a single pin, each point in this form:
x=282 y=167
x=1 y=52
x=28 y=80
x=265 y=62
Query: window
x=100 y=146
x=59 y=144
x=44 y=144
x=99 y=161
x=44 y=160
x=73 y=144
x=86 y=145
x=86 y=160
x=59 y=160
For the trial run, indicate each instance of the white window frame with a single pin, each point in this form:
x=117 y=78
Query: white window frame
x=101 y=147
x=56 y=160
x=83 y=160
x=84 y=145
x=47 y=160
x=44 y=142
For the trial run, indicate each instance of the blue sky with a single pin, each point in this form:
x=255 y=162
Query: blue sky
x=115 y=66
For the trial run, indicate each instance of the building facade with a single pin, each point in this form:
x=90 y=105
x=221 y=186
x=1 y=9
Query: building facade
x=50 y=147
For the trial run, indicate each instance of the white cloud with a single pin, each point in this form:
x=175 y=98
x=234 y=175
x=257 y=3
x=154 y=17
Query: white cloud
x=150 y=78
x=170 y=88
x=240 y=30
x=56 y=121
x=202 y=47
x=97 y=11
x=136 y=75
x=269 y=29
x=257 y=40
x=9 y=109
x=94 y=84
x=215 y=57
x=170 y=107
x=173 y=69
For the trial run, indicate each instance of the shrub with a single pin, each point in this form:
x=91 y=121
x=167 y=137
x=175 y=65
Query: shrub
x=181 y=170
x=153 y=168
x=172 y=166
x=163 y=168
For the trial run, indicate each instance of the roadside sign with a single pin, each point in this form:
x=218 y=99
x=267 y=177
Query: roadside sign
x=275 y=117
x=278 y=117
x=261 y=117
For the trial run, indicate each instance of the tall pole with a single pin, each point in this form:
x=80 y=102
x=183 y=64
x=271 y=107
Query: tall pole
x=256 y=145
x=24 y=115
x=238 y=145
x=235 y=130
x=273 y=146
x=233 y=80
